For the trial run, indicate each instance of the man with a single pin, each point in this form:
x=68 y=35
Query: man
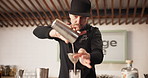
x=88 y=45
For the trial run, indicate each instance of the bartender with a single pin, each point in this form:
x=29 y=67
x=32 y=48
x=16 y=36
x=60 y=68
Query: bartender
x=88 y=46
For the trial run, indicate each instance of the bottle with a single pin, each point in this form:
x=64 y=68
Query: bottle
x=0 y=71
x=129 y=71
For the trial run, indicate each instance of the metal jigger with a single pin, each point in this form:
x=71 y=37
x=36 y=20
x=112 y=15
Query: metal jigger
x=42 y=72
x=20 y=73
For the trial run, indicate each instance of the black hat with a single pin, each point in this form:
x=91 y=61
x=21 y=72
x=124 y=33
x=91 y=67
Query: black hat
x=80 y=7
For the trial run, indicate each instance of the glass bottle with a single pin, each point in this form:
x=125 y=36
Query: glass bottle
x=0 y=71
x=129 y=71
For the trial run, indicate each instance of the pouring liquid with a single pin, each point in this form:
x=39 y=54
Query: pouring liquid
x=74 y=62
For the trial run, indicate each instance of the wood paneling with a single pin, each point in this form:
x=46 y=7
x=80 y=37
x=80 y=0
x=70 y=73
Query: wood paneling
x=44 y=12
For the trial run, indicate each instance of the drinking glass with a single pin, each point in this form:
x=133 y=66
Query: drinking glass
x=76 y=74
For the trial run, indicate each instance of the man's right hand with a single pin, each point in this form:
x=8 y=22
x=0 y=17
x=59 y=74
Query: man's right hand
x=54 y=33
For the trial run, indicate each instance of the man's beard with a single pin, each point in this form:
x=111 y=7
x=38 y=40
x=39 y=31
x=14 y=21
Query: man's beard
x=77 y=26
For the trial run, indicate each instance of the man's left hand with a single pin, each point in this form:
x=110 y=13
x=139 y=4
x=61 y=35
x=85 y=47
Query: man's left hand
x=84 y=57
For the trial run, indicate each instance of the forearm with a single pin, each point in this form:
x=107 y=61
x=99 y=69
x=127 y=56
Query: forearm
x=96 y=48
x=42 y=31
x=96 y=57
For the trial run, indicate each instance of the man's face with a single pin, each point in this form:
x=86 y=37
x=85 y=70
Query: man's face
x=78 y=22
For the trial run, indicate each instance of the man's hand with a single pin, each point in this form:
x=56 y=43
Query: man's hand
x=54 y=33
x=84 y=57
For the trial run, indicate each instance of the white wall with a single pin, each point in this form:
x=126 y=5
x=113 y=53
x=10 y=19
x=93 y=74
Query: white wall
x=18 y=46
x=137 y=48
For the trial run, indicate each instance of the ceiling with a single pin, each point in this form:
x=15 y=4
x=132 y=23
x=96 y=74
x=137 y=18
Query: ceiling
x=44 y=12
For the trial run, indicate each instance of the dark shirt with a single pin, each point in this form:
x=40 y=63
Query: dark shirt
x=91 y=42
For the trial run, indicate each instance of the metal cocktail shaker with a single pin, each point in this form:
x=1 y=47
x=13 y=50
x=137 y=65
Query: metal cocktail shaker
x=65 y=30
x=42 y=72
x=20 y=73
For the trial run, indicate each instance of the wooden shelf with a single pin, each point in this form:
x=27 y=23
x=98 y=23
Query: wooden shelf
x=7 y=77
